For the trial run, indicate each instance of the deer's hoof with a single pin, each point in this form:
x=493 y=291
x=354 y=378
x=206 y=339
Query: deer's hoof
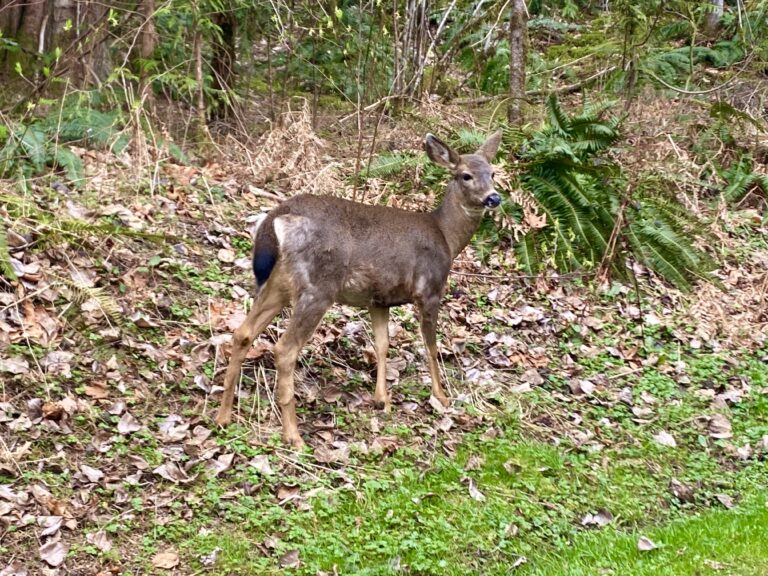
x=223 y=418
x=293 y=439
x=383 y=405
x=443 y=399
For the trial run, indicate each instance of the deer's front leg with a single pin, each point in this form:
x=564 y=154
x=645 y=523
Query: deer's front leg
x=380 y=321
x=429 y=311
x=307 y=314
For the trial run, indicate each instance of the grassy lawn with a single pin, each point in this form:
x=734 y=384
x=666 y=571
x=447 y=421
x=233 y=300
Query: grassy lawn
x=503 y=501
x=526 y=501
x=718 y=542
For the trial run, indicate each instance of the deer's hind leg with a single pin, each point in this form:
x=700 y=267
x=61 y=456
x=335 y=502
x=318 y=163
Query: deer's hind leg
x=268 y=304
x=307 y=313
x=379 y=322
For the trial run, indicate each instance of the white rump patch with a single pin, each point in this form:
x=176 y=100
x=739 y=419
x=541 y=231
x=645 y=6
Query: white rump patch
x=292 y=231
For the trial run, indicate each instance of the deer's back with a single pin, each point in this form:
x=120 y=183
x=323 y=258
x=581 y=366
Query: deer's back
x=359 y=254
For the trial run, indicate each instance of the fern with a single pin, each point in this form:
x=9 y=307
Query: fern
x=741 y=179
x=526 y=253
x=724 y=112
x=389 y=164
x=33 y=147
x=82 y=292
x=6 y=269
x=581 y=192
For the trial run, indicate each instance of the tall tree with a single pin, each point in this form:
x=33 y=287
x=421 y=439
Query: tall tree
x=712 y=22
x=518 y=52
x=223 y=61
x=79 y=30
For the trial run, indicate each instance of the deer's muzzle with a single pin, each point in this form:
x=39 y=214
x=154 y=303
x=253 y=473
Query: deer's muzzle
x=492 y=200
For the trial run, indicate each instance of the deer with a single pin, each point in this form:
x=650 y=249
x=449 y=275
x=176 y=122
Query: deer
x=313 y=251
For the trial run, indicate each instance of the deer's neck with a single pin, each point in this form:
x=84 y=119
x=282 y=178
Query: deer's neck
x=457 y=222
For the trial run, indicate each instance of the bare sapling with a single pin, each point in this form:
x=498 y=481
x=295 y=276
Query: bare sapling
x=313 y=251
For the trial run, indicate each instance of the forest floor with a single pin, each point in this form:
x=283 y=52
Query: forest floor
x=593 y=430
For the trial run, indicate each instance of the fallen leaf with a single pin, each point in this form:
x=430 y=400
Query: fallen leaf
x=220 y=464
x=100 y=540
x=665 y=439
x=53 y=553
x=97 y=391
x=585 y=387
x=645 y=544
x=286 y=493
x=15 y=568
x=142 y=321
x=436 y=405
x=326 y=455
x=226 y=255
x=57 y=362
x=92 y=474
x=444 y=424
x=14 y=365
x=210 y=559
x=532 y=377
x=719 y=427
x=725 y=500
x=744 y=452
x=261 y=464
x=625 y=396
x=171 y=471
x=51 y=524
x=128 y=424
x=681 y=491
x=290 y=559
x=474 y=462
x=600 y=518
x=473 y=491
x=167 y=560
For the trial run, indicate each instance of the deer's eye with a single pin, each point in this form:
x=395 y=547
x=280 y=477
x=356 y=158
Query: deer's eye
x=466 y=176
x=493 y=175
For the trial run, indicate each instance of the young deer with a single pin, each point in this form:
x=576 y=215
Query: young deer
x=312 y=251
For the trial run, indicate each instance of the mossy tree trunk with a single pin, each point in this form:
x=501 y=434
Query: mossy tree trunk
x=78 y=30
x=518 y=52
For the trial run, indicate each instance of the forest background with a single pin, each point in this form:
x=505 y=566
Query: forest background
x=603 y=338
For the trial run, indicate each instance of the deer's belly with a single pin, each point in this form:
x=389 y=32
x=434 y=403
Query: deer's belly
x=366 y=290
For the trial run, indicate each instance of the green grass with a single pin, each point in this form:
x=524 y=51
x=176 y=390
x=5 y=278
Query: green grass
x=533 y=497
x=414 y=512
x=717 y=542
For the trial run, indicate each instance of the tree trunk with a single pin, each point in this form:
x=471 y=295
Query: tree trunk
x=223 y=63
x=90 y=61
x=518 y=52
x=40 y=26
x=204 y=136
x=25 y=21
x=413 y=48
x=148 y=36
x=712 y=22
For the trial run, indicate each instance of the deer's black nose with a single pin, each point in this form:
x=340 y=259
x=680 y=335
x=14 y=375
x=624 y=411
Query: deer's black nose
x=492 y=201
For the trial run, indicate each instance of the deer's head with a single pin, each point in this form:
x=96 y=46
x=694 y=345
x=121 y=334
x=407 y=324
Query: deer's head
x=472 y=173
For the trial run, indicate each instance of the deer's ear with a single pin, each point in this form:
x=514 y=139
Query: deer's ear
x=440 y=153
x=490 y=147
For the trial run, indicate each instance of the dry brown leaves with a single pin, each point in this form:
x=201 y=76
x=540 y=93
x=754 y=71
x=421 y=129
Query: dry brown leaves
x=292 y=156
